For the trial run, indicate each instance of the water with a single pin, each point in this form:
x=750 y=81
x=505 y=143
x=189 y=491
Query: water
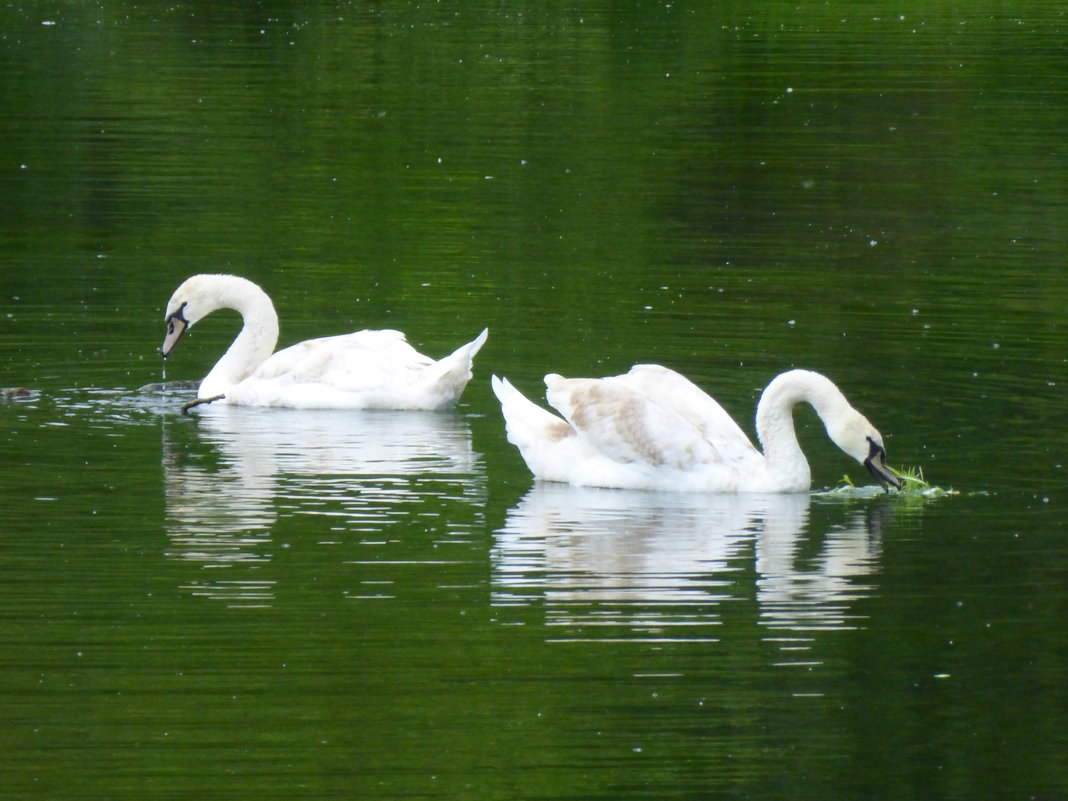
x=251 y=603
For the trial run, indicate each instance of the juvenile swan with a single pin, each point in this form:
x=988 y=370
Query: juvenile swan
x=653 y=429
x=363 y=370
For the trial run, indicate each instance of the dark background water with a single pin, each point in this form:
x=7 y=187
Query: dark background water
x=274 y=605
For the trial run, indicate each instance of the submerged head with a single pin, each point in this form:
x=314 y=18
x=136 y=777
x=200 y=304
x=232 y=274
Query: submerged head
x=853 y=433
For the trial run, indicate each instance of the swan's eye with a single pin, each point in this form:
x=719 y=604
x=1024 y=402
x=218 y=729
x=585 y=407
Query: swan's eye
x=179 y=316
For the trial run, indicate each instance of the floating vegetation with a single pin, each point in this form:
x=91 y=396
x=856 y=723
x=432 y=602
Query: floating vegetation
x=912 y=484
x=911 y=478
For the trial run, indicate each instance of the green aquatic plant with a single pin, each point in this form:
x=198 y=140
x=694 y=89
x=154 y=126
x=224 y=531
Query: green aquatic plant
x=912 y=483
x=911 y=478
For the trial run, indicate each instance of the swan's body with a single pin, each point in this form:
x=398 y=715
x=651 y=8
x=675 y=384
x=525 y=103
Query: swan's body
x=653 y=429
x=363 y=370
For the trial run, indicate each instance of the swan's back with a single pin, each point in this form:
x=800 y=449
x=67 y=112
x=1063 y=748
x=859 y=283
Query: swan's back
x=362 y=370
x=355 y=361
x=627 y=425
x=674 y=391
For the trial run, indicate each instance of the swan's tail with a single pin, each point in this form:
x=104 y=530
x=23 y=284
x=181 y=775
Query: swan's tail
x=468 y=351
x=528 y=425
x=460 y=361
x=452 y=373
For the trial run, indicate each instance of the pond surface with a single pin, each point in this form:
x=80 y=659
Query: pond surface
x=248 y=603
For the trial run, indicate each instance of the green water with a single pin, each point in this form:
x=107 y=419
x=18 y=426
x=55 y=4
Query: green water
x=246 y=603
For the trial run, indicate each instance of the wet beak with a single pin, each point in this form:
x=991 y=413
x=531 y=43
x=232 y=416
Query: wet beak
x=176 y=325
x=876 y=464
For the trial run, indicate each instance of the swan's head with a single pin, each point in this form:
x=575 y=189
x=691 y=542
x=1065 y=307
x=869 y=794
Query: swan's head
x=183 y=309
x=176 y=323
x=195 y=298
x=852 y=432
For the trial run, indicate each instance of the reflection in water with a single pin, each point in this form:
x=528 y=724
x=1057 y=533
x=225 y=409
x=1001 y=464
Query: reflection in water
x=665 y=566
x=799 y=596
x=355 y=472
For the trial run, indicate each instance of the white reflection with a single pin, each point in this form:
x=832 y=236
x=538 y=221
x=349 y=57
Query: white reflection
x=358 y=471
x=798 y=594
x=666 y=566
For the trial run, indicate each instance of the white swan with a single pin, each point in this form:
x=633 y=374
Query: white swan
x=653 y=429
x=363 y=370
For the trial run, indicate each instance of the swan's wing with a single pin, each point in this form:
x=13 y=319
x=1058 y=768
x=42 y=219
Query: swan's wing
x=363 y=370
x=350 y=362
x=673 y=391
x=627 y=425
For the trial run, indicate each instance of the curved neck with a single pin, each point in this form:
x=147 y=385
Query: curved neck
x=775 y=420
x=255 y=342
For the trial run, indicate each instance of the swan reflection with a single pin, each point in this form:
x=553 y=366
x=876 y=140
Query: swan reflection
x=233 y=472
x=674 y=566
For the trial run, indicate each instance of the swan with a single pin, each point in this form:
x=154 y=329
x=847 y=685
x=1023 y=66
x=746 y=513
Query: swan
x=362 y=370
x=653 y=429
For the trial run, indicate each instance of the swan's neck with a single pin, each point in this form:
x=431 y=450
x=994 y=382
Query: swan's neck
x=255 y=342
x=775 y=422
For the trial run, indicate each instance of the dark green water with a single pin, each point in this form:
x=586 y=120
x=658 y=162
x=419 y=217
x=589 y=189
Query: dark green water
x=270 y=604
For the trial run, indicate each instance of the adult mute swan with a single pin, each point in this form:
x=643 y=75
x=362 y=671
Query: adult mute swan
x=363 y=370
x=653 y=429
